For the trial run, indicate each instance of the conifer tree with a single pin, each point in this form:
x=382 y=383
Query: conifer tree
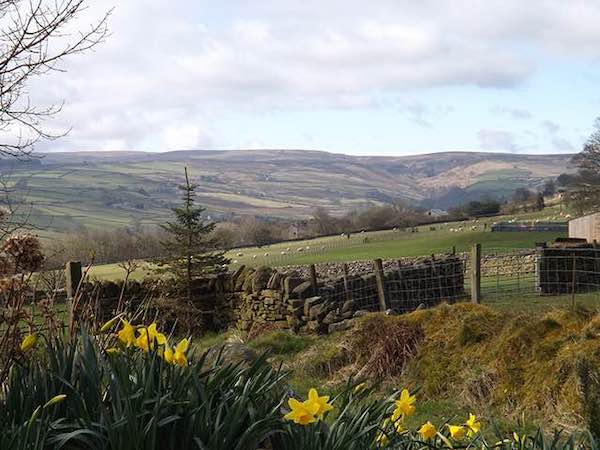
x=190 y=251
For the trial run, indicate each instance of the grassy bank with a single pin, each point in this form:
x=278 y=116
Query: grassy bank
x=461 y=357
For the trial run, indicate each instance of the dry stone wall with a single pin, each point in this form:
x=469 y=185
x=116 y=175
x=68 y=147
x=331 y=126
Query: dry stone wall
x=286 y=298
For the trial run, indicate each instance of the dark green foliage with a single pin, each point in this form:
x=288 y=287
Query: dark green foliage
x=136 y=401
x=191 y=253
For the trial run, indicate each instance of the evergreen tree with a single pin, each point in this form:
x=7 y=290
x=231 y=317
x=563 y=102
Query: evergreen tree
x=539 y=202
x=191 y=252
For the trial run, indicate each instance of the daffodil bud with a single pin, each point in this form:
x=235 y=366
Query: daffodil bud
x=29 y=342
x=55 y=400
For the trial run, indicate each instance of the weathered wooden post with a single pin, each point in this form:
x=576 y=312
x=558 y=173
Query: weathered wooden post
x=313 y=279
x=72 y=277
x=378 y=266
x=476 y=273
x=348 y=294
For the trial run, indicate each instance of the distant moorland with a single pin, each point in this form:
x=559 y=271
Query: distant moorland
x=115 y=189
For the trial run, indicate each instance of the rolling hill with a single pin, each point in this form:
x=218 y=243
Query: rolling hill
x=112 y=189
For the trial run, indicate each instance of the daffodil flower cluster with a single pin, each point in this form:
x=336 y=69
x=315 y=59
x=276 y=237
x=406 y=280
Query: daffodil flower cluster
x=405 y=406
x=147 y=339
x=310 y=410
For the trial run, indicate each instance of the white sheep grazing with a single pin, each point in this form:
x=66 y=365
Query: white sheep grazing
x=235 y=261
x=283 y=252
x=267 y=254
x=300 y=249
x=253 y=256
x=307 y=248
x=240 y=254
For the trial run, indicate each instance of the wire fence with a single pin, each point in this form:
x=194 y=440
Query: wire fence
x=514 y=279
x=543 y=277
x=402 y=288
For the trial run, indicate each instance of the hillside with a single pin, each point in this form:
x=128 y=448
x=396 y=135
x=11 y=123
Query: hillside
x=109 y=189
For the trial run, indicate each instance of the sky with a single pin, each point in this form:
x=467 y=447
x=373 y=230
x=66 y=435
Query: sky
x=383 y=77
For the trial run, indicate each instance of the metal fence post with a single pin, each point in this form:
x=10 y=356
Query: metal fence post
x=72 y=277
x=539 y=255
x=476 y=273
x=378 y=266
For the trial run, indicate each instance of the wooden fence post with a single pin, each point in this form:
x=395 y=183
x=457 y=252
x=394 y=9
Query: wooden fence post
x=476 y=273
x=72 y=277
x=313 y=279
x=378 y=266
x=346 y=283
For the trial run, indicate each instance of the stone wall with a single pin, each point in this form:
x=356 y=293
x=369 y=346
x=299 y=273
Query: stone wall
x=285 y=298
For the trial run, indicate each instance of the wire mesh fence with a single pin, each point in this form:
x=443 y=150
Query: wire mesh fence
x=542 y=277
x=402 y=288
x=508 y=278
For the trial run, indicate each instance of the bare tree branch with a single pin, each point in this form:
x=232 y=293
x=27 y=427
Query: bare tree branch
x=34 y=40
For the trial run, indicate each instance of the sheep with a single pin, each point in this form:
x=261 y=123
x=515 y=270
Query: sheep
x=253 y=256
x=283 y=252
x=267 y=254
x=240 y=254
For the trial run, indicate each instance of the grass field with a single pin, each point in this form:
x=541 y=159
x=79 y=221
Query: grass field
x=386 y=244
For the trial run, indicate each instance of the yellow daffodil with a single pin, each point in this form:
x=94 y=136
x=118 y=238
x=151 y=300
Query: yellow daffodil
x=359 y=388
x=400 y=428
x=473 y=426
x=405 y=406
x=457 y=431
x=519 y=439
x=143 y=341
x=55 y=400
x=109 y=324
x=168 y=355
x=155 y=335
x=427 y=430
x=29 y=342
x=321 y=402
x=179 y=356
x=302 y=413
x=127 y=334
x=382 y=439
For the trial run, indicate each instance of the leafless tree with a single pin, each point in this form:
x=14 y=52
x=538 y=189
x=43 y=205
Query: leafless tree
x=584 y=189
x=35 y=38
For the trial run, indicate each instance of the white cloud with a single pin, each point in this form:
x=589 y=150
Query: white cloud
x=498 y=140
x=515 y=113
x=172 y=68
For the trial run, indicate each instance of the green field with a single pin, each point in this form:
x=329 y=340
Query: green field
x=386 y=244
